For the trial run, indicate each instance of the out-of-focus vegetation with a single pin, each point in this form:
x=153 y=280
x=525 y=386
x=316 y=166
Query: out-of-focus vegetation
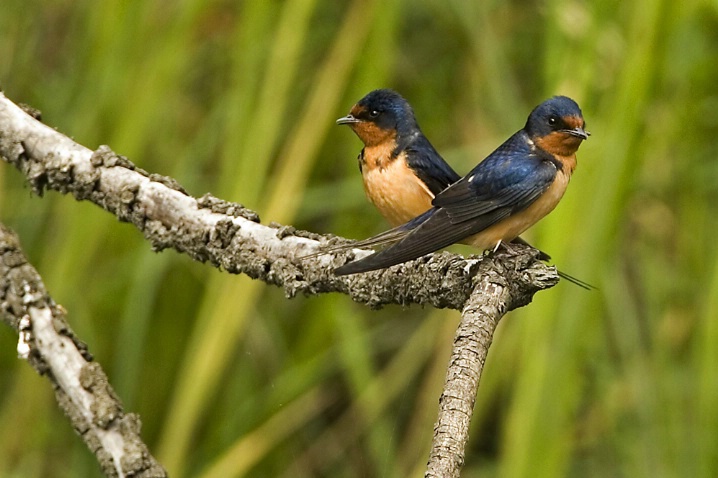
x=239 y=99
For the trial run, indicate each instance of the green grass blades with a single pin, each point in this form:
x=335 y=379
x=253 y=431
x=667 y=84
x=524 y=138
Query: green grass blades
x=239 y=99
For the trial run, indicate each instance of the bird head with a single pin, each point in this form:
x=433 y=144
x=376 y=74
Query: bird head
x=380 y=115
x=557 y=126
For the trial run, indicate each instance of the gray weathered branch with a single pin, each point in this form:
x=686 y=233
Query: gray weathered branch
x=230 y=237
x=46 y=341
x=479 y=318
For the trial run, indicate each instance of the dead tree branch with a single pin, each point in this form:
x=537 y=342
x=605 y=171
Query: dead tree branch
x=81 y=388
x=479 y=320
x=230 y=237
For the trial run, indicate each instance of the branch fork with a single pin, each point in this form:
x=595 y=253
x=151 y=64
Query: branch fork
x=230 y=237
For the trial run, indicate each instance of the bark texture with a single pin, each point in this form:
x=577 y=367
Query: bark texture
x=46 y=341
x=480 y=316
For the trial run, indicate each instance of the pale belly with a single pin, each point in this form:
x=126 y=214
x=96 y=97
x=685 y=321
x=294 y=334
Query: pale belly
x=513 y=226
x=396 y=192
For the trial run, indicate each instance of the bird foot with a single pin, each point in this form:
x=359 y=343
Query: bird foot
x=507 y=246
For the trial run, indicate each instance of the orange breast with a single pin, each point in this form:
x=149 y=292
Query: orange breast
x=513 y=226
x=394 y=189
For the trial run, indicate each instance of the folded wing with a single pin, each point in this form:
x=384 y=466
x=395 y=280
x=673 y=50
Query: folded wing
x=506 y=182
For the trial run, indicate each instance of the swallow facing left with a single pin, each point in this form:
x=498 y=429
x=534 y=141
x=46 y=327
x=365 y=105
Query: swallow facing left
x=402 y=171
x=508 y=192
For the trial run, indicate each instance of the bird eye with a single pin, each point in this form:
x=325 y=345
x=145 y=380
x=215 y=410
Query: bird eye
x=552 y=120
x=373 y=113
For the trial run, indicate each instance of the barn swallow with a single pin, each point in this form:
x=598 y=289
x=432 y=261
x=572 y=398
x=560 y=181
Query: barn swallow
x=402 y=171
x=509 y=191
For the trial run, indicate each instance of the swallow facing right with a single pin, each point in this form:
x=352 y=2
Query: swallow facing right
x=513 y=188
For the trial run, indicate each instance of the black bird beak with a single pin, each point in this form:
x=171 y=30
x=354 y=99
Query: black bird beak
x=348 y=119
x=578 y=132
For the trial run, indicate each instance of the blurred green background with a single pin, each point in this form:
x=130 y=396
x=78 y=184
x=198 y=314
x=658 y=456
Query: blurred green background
x=239 y=99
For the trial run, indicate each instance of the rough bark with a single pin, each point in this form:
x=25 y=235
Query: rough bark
x=230 y=237
x=479 y=319
x=81 y=388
